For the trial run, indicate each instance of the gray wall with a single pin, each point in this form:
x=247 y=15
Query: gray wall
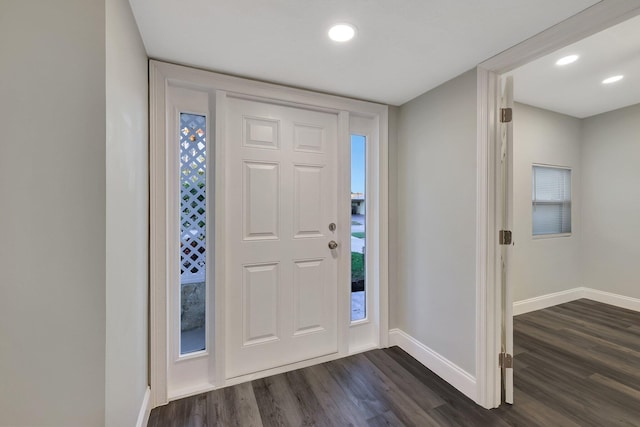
x=127 y=224
x=393 y=213
x=602 y=252
x=74 y=214
x=542 y=266
x=611 y=201
x=435 y=295
x=52 y=213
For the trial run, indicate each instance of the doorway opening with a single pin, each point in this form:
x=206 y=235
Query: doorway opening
x=571 y=137
x=576 y=28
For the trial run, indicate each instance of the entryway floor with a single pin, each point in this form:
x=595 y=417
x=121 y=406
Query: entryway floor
x=576 y=364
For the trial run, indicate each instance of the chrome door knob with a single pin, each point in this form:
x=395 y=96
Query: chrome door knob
x=333 y=244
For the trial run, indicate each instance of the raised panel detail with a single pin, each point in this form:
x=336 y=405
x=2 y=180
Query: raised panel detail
x=261 y=133
x=260 y=303
x=308 y=285
x=261 y=200
x=308 y=138
x=307 y=201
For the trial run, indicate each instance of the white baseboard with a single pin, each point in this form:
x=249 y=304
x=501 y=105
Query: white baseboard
x=440 y=365
x=145 y=409
x=549 y=300
x=612 y=299
x=545 y=301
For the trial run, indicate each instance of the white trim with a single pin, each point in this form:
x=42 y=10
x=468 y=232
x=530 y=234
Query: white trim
x=612 y=299
x=489 y=313
x=158 y=310
x=343 y=153
x=218 y=296
x=440 y=365
x=145 y=409
x=548 y=300
x=596 y=18
x=178 y=75
x=487 y=301
x=557 y=298
x=382 y=226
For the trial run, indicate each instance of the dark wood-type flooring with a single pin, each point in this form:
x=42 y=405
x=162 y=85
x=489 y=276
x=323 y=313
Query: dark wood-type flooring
x=576 y=364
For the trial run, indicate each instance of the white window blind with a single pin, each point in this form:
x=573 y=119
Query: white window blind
x=551 y=200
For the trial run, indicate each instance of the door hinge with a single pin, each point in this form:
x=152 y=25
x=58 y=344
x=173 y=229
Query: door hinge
x=506 y=115
x=505 y=237
x=506 y=360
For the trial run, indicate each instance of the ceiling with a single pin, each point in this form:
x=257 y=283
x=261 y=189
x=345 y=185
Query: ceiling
x=403 y=47
x=576 y=89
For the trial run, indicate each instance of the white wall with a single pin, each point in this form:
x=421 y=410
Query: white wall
x=52 y=213
x=611 y=201
x=435 y=294
x=127 y=224
x=544 y=265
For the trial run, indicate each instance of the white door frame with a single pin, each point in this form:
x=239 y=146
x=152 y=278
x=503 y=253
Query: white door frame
x=488 y=287
x=161 y=76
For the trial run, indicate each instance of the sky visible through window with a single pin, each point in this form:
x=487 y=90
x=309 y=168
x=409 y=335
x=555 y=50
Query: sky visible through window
x=357 y=163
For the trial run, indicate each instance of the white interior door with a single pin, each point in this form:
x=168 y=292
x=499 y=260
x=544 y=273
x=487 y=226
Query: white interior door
x=507 y=224
x=282 y=277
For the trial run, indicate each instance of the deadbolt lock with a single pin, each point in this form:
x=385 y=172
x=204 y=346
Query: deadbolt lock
x=332 y=226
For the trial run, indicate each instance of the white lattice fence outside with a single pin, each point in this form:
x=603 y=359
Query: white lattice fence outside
x=192 y=198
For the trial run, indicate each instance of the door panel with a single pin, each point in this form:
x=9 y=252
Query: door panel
x=308 y=279
x=260 y=303
x=307 y=203
x=281 y=299
x=507 y=224
x=260 y=197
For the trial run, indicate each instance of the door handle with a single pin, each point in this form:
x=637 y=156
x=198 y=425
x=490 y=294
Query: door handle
x=333 y=244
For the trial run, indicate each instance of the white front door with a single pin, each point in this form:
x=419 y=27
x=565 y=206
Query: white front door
x=282 y=277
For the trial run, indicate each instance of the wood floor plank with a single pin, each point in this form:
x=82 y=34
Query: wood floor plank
x=357 y=390
x=384 y=420
x=313 y=413
x=634 y=393
x=532 y=412
x=388 y=392
x=550 y=360
x=623 y=336
x=333 y=398
x=422 y=395
x=245 y=407
x=277 y=404
x=453 y=398
x=576 y=364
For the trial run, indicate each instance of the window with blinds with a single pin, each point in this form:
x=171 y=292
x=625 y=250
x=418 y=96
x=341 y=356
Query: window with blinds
x=551 y=200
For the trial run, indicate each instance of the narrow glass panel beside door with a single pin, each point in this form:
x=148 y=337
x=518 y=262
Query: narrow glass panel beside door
x=358 y=227
x=192 y=233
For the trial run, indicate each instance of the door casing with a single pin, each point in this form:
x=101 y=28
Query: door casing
x=162 y=77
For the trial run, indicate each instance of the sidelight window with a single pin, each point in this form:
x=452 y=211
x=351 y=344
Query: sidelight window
x=358 y=227
x=193 y=244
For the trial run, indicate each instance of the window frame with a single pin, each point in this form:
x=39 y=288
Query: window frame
x=534 y=201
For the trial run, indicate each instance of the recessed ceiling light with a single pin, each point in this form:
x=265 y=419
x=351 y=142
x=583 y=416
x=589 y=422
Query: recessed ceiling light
x=567 y=60
x=612 y=79
x=342 y=32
